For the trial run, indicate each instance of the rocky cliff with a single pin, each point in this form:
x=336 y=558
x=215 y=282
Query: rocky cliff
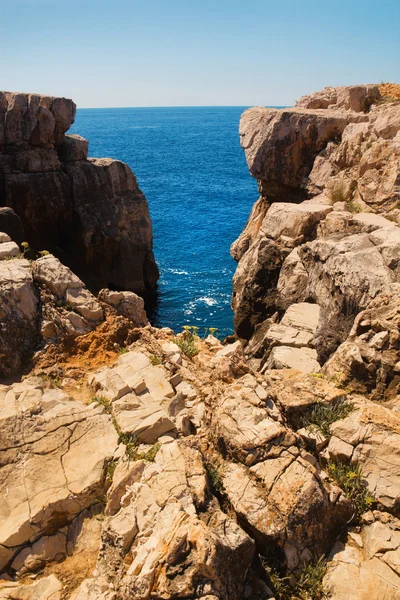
x=320 y=248
x=88 y=212
x=137 y=463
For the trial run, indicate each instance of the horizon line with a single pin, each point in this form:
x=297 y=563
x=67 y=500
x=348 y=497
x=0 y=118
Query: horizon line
x=186 y=106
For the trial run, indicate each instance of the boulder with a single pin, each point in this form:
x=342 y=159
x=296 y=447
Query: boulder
x=285 y=357
x=127 y=304
x=137 y=391
x=74 y=147
x=243 y=424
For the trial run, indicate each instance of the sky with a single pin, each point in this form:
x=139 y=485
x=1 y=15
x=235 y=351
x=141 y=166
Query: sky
x=186 y=53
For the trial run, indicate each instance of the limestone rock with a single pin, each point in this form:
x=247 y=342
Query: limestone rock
x=301 y=132
x=302 y=359
x=74 y=147
x=157 y=541
x=43 y=438
x=367 y=562
x=367 y=360
x=88 y=212
x=373 y=432
x=137 y=390
x=285 y=504
x=19 y=318
x=296 y=393
x=127 y=304
x=246 y=426
x=48 y=588
x=353 y=97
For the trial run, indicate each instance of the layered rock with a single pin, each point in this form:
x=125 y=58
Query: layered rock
x=324 y=168
x=88 y=212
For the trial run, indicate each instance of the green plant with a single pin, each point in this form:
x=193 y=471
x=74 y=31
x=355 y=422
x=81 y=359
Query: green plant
x=25 y=248
x=187 y=341
x=210 y=330
x=151 y=454
x=155 y=360
x=44 y=253
x=351 y=480
x=103 y=401
x=68 y=305
x=131 y=443
x=323 y=415
x=215 y=476
x=111 y=466
x=52 y=379
x=307 y=584
x=353 y=207
x=123 y=350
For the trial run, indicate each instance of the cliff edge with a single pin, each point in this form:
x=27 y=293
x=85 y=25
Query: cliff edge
x=90 y=213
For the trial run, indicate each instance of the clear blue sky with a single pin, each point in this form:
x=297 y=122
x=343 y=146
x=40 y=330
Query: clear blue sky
x=173 y=52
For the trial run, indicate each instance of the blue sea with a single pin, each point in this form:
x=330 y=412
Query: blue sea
x=192 y=170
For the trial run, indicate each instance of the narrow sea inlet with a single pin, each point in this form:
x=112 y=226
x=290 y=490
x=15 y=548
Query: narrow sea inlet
x=189 y=164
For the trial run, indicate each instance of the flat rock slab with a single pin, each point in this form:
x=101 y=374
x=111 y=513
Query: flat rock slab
x=302 y=359
x=137 y=389
x=8 y=250
x=43 y=437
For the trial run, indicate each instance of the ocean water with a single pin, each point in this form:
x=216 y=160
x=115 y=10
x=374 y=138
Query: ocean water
x=190 y=166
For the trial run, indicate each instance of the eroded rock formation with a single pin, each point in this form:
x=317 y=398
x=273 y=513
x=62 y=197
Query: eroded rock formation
x=88 y=212
x=131 y=469
x=324 y=232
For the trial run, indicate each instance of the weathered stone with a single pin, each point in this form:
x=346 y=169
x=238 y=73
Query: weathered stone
x=19 y=318
x=127 y=304
x=48 y=588
x=301 y=359
x=74 y=147
x=90 y=213
x=43 y=439
x=367 y=563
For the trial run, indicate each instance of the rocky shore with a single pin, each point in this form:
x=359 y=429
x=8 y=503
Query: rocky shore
x=140 y=463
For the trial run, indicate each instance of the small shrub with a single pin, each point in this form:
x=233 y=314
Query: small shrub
x=44 y=253
x=308 y=586
x=187 y=342
x=215 y=476
x=353 y=207
x=103 y=401
x=55 y=380
x=351 y=480
x=123 y=350
x=155 y=360
x=68 y=306
x=111 y=466
x=323 y=415
x=131 y=444
x=151 y=454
